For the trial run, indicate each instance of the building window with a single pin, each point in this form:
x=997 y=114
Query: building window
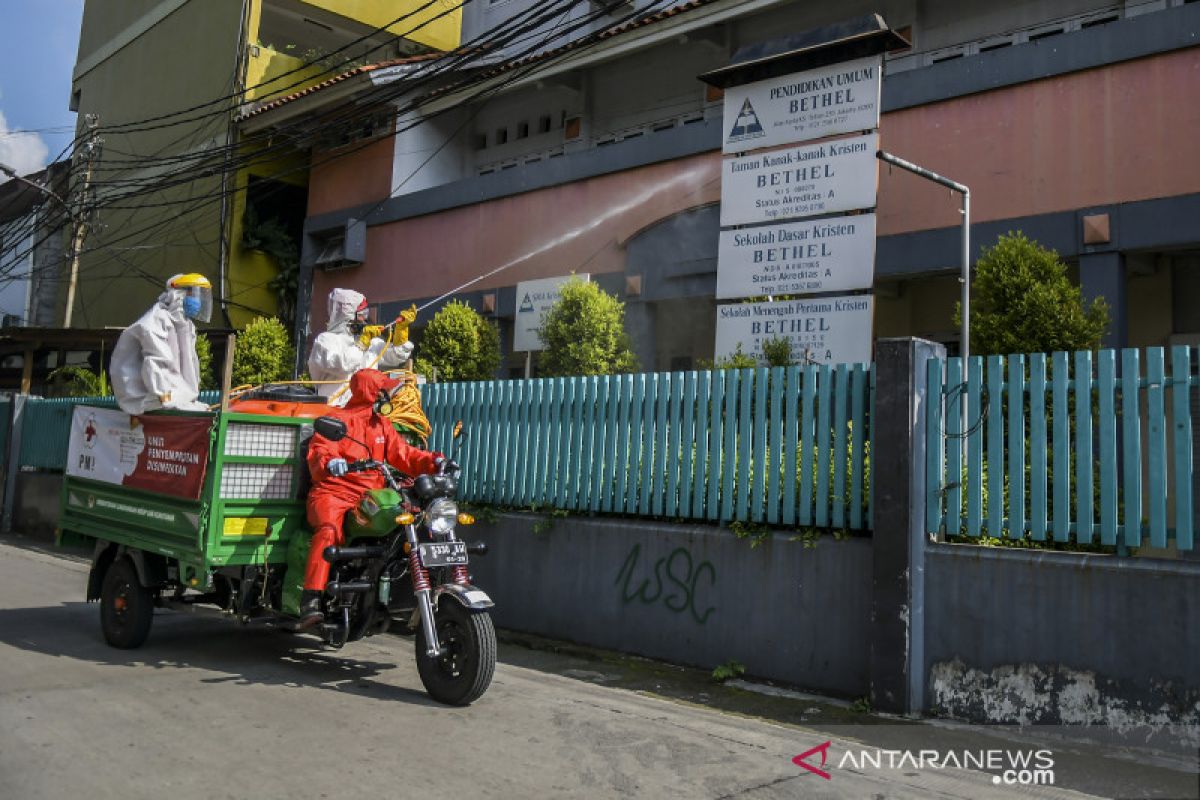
x=501 y=136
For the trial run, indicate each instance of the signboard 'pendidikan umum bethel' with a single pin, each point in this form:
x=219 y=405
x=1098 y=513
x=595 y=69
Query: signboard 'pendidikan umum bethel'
x=839 y=98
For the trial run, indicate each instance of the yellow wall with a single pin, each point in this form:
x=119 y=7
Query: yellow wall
x=269 y=64
x=250 y=271
x=442 y=33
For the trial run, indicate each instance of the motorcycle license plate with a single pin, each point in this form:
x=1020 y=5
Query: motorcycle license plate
x=443 y=554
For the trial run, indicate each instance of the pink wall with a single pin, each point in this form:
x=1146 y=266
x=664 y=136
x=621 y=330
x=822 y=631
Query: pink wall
x=362 y=176
x=1121 y=133
x=577 y=227
x=1115 y=134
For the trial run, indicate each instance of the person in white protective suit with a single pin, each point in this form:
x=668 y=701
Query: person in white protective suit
x=349 y=344
x=154 y=364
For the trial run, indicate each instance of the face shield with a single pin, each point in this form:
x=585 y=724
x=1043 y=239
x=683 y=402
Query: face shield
x=197 y=303
x=197 y=295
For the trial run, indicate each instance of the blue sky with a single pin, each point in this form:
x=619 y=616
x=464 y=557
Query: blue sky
x=38 y=44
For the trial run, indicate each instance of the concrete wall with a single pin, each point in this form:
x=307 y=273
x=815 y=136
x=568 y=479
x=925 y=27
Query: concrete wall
x=139 y=60
x=1063 y=638
x=1024 y=126
x=687 y=594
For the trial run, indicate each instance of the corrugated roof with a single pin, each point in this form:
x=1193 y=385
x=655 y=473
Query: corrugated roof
x=316 y=87
x=500 y=69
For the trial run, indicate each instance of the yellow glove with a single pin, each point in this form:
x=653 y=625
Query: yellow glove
x=400 y=326
x=368 y=333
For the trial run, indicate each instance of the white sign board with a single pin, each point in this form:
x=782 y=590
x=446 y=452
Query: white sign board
x=827 y=330
x=533 y=299
x=826 y=178
x=833 y=254
x=841 y=98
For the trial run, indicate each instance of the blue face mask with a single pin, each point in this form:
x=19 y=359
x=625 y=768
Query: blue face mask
x=191 y=307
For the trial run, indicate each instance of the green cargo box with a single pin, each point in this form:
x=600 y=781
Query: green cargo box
x=244 y=509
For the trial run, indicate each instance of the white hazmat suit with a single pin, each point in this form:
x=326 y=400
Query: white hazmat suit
x=338 y=353
x=154 y=363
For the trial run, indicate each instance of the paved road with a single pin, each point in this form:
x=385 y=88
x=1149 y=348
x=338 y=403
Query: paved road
x=209 y=709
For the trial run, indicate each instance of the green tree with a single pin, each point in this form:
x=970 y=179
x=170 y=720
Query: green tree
x=1023 y=302
x=263 y=353
x=204 y=353
x=584 y=333
x=460 y=344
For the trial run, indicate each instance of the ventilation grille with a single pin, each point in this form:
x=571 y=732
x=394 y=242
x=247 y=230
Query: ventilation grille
x=257 y=482
x=264 y=441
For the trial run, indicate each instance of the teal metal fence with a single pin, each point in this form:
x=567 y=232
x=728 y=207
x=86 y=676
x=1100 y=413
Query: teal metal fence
x=46 y=426
x=1067 y=447
x=779 y=446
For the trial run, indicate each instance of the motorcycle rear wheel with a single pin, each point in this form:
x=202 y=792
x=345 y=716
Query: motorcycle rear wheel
x=463 y=674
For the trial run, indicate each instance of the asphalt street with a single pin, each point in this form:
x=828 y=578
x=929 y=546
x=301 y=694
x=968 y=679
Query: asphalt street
x=211 y=709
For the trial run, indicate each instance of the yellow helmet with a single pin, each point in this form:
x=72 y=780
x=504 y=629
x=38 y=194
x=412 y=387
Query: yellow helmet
x=187 y=281
x=197 y=295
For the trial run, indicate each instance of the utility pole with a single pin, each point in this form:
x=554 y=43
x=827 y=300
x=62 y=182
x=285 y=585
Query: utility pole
x=80 y=228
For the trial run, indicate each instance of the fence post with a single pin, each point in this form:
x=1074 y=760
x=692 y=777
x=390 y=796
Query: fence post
x=897 y=665
x=12 y=466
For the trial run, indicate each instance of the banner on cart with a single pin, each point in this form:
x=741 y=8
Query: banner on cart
x=163 y=454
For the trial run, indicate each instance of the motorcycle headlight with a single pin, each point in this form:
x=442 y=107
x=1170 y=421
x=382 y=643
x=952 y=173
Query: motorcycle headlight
x=442 y=515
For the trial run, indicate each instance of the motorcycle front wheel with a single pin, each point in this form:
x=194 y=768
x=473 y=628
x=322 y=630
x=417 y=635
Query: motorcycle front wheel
x=463 y=673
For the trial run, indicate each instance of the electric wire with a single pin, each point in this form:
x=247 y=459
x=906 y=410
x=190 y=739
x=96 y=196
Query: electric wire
x=421 y=74
x=520 y=71
x=304 y=66
x=406 y=87
x=482 y=38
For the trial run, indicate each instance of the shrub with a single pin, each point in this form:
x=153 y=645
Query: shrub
x=460 y=344
x=1023 y=302
x=584 y=333
x=263 y=353
x=204 y=354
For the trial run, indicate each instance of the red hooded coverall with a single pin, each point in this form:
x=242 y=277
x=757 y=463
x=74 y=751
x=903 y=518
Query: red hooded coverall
x=330 y=498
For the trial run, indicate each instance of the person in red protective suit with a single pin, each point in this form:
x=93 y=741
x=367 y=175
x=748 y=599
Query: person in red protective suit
x=335 y=491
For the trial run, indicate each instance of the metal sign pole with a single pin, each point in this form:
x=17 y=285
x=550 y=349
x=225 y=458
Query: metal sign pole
x=965 y=278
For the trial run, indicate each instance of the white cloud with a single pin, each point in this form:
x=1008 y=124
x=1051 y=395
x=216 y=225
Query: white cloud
x=24 y=152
